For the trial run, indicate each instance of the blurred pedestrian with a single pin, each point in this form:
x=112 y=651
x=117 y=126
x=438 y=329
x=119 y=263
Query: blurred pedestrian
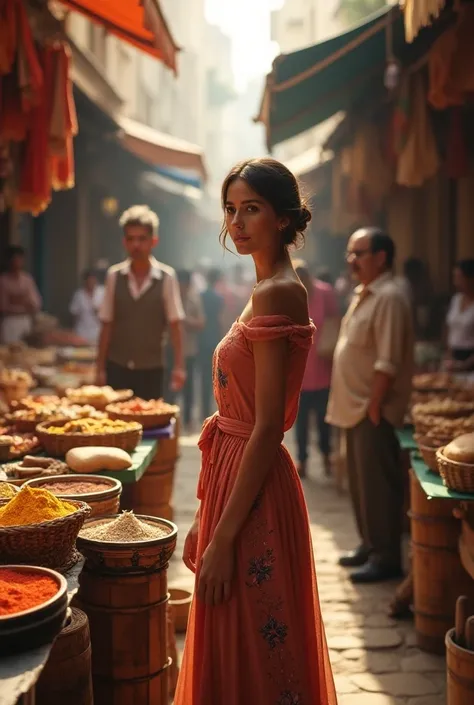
x=370 y=391
x=323 y=311
x=141 y=303
x=85 y=307
x=20 y=299
x=213 y=304
x=194 y=323
x=460 y=319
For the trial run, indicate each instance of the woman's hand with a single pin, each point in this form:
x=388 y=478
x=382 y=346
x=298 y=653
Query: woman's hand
x=190 y=546
x=215 y=578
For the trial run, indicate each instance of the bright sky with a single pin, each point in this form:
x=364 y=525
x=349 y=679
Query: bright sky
x=247 y=23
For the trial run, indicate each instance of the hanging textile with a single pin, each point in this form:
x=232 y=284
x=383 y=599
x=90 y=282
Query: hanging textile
x=419 y=159
x=457 y=162
x=48 y=162
x=418 y=14
x=451 y=63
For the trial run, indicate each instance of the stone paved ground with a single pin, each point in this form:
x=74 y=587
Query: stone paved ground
x=375 y=659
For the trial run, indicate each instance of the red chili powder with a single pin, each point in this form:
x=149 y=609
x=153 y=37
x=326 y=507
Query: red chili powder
x=21 y=591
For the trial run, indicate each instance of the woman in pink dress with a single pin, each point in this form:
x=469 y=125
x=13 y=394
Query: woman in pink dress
x=255 y=634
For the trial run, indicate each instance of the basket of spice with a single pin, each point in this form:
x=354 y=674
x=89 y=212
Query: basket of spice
x=102 y=494
x=33 y=607
x=154 y=413
x=7 y=491
x=110 y=542
x=58 y=437
x=38 y=528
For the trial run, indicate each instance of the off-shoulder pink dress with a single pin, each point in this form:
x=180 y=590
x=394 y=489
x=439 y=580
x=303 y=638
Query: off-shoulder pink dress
x=266 y=646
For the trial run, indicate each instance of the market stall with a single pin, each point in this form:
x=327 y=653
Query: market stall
x=59 y=504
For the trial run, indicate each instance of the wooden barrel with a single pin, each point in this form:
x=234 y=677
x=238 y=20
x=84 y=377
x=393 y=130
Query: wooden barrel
x=66 y=678
x=124 y=592
x=459 y=673
x=152 y=494
x=438 y=575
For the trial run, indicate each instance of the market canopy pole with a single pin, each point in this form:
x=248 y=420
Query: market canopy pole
x=138 y=22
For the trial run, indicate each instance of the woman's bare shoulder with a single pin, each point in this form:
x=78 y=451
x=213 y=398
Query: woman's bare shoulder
x=281 y=296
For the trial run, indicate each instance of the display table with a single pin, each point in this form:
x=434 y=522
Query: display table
x=442 y=553
x=19 y=673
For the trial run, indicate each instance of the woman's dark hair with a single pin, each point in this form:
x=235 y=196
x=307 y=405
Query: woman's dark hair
x=13 y=251
x=278 y=186
x=184 y=276
x=466 y=267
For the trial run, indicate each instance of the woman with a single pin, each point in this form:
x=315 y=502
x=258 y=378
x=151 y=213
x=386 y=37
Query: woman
x=85 y=306
x=255 y=633
x=460 y=319
x=323 y=309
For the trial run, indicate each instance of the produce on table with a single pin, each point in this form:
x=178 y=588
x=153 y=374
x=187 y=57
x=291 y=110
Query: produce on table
x=34 y=466
x=142 y=406
x=22 y=591
x=95 y=458
x=125 y=528
x=33 y=506
x=96 y=396
x=94 y=426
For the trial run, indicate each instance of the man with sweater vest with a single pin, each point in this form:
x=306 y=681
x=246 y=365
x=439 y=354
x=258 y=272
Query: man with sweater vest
x=141 y=304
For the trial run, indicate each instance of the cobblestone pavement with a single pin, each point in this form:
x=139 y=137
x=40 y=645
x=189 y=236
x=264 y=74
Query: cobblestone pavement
x=375 y=659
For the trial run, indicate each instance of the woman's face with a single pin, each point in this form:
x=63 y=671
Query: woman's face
x=251 y=221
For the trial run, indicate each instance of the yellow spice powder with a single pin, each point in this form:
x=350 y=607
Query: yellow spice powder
x=32 y=506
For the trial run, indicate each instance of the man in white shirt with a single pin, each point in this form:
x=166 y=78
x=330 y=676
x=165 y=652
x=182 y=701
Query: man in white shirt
x=142 y=302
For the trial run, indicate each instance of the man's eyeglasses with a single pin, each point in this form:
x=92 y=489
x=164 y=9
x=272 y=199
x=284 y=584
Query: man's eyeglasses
x=357 y=254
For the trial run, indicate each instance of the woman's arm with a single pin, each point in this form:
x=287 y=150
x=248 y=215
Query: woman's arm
x=271 y=368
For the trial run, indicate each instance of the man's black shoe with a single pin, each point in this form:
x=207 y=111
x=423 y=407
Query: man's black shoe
x=375 y=573
x=355 y=558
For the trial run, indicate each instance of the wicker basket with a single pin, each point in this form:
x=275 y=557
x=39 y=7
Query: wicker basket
x=121 y=395
x=49 y=544
x=456 y=476
x=428 y=453
x=57 y=445
x=146 y=420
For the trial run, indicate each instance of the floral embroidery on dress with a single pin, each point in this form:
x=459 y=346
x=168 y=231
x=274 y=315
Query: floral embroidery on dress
x=274 y=632
x=290 y=698
x=260 y=569
x=222 y=378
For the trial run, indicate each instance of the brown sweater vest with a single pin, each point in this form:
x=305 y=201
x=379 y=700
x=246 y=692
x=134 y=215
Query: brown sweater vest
x=139 y=327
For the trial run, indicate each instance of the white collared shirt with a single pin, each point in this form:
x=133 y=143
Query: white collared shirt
x=171 y=294
x=376 y=335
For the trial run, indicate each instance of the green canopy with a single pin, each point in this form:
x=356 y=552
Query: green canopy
x=308 y=86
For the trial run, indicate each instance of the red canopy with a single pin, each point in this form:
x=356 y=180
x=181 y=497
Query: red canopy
x=139 y=22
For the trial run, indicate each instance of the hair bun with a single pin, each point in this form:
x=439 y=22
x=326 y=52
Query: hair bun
x=302 y=219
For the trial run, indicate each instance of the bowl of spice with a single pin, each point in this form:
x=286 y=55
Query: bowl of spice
x=127 y=542
x=33 y=607
x=36 y=527
x=7 y=491
x=102 y=494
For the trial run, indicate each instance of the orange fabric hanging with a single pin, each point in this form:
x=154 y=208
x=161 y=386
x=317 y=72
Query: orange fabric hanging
x=451 y=63
x=30 y=74
x=63 y=125
x=8 y=36
x=13 y=120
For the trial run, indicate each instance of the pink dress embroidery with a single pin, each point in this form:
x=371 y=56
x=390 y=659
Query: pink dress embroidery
x=266 y=646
